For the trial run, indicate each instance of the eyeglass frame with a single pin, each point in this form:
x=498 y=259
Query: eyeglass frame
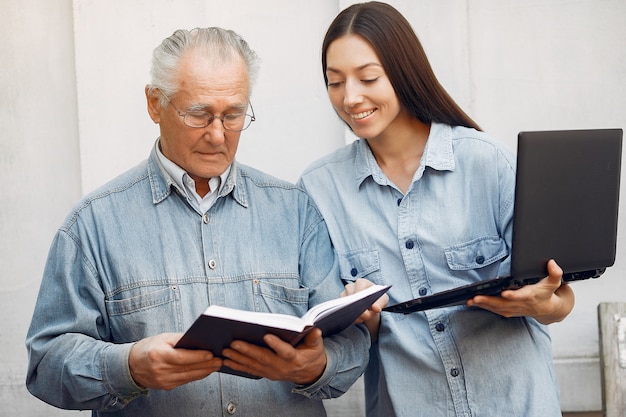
x=212 y=117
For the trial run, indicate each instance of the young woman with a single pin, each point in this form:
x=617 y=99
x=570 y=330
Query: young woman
x=424 y=201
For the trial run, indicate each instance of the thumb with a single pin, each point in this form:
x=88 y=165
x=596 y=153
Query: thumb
x=555 y=273
x=313 y=338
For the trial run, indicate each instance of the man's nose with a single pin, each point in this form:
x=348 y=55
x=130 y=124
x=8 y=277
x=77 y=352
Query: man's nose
x=214 y=131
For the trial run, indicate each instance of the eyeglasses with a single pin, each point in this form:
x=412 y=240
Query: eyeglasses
x=233 y=122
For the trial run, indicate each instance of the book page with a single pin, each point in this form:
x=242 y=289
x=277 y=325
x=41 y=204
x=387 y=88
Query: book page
x=281 y=321
x=322 y=310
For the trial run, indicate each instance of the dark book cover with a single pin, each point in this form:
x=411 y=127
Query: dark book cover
x=214 y=333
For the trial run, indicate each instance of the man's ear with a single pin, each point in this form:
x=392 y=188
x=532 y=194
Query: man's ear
x=154 y=105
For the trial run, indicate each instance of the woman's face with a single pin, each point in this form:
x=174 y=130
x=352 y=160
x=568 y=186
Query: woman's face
x=359 y=89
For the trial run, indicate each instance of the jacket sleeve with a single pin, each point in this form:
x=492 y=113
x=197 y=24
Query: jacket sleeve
x=71 y=363
x=348 y=351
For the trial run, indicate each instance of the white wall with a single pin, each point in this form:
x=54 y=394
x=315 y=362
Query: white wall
x=39 y=170
x=73 y=116
x=114 y=43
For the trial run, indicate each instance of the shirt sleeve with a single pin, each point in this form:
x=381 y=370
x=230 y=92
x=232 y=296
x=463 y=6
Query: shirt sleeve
x=347 y=352
x=71 y=363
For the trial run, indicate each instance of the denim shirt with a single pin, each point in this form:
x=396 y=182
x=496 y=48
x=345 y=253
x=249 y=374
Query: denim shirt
x=134 y=259
x=453 y=227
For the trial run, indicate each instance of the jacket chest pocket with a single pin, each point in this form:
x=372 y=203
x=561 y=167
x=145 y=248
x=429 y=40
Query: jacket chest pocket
x=145 y=311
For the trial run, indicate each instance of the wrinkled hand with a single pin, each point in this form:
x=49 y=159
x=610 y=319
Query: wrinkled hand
x=155 y=363
x=371 y=316
x=302 y=365
x=548 y=300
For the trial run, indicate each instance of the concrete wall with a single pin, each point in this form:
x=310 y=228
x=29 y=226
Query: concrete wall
x=72 y=114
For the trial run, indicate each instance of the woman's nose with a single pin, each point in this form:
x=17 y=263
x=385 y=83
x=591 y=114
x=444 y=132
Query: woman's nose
x=352 y=94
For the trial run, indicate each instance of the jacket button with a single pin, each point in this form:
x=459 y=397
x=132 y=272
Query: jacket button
x=231 y=407
x=480 y=259
x=454 y=372
x=353 y=272
x=212 y=264
x=409 y=244
x=440 y=327
x=423 y=291
x=205 y=218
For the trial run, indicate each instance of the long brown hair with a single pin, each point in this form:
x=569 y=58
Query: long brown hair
x=403 y=58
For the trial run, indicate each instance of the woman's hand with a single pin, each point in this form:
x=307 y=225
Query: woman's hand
x=548 y=301
x=371 y=316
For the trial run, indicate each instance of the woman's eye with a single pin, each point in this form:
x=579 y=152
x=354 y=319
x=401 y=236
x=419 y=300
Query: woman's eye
x=370 y=80
x=334 y=84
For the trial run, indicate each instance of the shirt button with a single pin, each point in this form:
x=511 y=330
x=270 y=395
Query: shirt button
x=212 y=264
x=480 y=259
x=440 y=327
x=205 y=218
x=231 y=407
x=423 y=291
x=454 y=372
x=399 y=201
x=353 y=272
x=409 y=244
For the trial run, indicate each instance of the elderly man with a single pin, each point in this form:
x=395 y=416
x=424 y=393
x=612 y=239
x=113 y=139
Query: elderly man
x=139 y=259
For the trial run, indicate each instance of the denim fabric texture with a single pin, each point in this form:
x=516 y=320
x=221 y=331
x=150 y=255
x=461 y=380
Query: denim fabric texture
x=134 y=259
x=453 y=227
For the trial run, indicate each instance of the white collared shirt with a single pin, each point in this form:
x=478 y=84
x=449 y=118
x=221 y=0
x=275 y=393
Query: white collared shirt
x=187 y=184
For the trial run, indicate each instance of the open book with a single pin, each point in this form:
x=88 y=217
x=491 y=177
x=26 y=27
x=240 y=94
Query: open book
x=218 y=326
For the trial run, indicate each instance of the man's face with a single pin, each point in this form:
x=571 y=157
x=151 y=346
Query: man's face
x=207 y=85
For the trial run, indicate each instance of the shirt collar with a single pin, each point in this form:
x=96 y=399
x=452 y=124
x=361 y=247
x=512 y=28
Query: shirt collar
x=181 y=178
x=438 y=154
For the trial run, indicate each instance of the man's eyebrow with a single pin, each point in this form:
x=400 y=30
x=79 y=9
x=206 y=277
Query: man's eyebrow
x=359 y=68
x=199 y=107
x=207 y=107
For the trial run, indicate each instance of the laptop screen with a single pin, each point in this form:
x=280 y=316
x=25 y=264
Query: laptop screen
x=566 y=200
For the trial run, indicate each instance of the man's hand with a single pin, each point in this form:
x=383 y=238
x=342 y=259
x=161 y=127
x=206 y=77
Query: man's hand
x=548 y=301
x=154 y=363
x=303 y=364
x=371 y=316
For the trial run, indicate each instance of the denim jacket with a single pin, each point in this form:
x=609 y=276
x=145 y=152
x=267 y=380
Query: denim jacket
x=134 y=259
x=452 y=227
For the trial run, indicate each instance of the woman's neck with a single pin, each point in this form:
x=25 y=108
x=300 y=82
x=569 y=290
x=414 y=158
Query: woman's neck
x=398 y=151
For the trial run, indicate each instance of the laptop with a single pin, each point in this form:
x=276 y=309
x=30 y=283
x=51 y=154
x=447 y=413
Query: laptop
x=566 y=209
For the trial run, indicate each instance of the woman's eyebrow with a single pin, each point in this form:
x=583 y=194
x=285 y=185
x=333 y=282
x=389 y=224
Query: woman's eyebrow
x=359 y=68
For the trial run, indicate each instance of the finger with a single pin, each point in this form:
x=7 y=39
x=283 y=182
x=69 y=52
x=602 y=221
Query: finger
x=379 y=304
x=495 y=305
x=247 y=353
x=199 y=370
x=348 y=289
x=555 y=273
x=361 y=284
x=235 y=355
x=520 y=294
x=280 y=347
x=242 y=363
x=314 y=338
x=485 y=301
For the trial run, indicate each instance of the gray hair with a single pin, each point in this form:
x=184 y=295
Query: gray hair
x=224 y=44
